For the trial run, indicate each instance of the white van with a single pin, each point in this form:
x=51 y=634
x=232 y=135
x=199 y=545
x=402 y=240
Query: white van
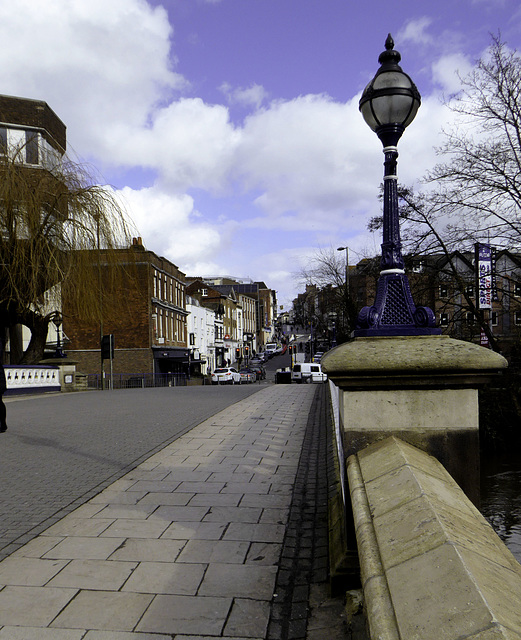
x=308 y=372
x=271 y=348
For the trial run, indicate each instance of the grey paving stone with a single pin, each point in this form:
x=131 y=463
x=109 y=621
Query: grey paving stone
x=104 y=610
x=151 y=528
x=264 y=553
x=183 y=637
x=38 y=633
x=115 y=511
x=172 y=499
x=247 y=487
x=34 y=572
x=274 y=516
x=166 y=577
x=74 y=526
x=248 y=581
x=211 y=500
x=145 y=486
x=186 y=614
x=94 y=574
x=180 y=513
x=209 y=551
x=269 y=501
x=32 y=606
x=143 y=550
x=37 y=547
x=123 y=635
x=188 y=474
x=201 y=487
x=233 y=514
x=255 y=532
x=85 y=548
x=195 y=531
x=117 y=497
x=248 y=618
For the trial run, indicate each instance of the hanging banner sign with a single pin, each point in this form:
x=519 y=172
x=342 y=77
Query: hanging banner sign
x=484 y=275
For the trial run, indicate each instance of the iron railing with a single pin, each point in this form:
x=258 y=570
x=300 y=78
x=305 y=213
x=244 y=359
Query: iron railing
x=135 y=380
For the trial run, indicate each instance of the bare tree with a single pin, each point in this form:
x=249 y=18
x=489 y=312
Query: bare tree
x=326 y=270
x=478 y=182
x=51 y=221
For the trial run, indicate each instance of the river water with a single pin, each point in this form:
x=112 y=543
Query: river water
x=501 y=498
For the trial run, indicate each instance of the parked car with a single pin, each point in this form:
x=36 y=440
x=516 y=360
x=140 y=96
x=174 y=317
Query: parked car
x=259 y=370
x=226 y=375
x=247 y=375
x=308 y=372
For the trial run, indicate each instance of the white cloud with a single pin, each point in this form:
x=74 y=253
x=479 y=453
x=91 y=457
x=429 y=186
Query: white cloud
x=448 y=70
x=100 y=65
x=169 y=225
x=190 y=144
x=253 y=96
x=415 y=31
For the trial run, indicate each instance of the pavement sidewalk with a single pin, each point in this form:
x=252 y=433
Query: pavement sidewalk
x=186 y=546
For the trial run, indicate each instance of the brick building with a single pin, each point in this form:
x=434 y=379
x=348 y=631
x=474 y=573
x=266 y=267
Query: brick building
x=145 y=311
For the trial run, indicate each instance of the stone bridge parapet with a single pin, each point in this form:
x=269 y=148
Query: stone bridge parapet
x=432 y=568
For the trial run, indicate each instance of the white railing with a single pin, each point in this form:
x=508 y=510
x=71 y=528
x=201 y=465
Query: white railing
x=37 y=378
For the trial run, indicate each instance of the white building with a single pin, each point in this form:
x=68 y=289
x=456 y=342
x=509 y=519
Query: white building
x=202 y=339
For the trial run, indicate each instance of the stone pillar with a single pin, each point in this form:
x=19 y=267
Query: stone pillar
x=67 y=369
x=422 y=389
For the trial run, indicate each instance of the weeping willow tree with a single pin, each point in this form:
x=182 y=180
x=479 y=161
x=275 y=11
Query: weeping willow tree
x=53 y=222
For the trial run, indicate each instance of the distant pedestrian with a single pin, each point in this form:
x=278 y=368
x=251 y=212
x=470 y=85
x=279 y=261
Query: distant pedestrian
x=3 y=387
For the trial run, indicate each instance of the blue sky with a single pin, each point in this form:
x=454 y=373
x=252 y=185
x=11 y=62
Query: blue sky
x=230 y=128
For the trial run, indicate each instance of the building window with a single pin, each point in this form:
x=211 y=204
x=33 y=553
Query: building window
x=444 y=291
x=494 y=318
x=517 y=318
x=192 y=339
x=517 y=288
x=469 y=318
x=31 y=147
x=204 y=292
x=470 y=290
x=444 y=319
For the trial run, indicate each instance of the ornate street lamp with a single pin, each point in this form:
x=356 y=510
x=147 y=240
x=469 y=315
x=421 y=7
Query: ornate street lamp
x=389 y=104
x=57 y=320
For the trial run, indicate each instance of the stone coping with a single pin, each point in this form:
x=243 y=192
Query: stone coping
x=409 y=355
x=432 y=568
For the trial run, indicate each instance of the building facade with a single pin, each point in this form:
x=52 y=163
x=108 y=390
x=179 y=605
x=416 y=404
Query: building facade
x=147 y=316
x=34 y=137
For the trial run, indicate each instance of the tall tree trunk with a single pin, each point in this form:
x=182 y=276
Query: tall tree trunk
x=39 y=326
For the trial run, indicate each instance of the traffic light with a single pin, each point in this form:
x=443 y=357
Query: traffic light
x=237 y=353
x=246 y=350
x=308 y=348
x=290 y=349
x=107 y=347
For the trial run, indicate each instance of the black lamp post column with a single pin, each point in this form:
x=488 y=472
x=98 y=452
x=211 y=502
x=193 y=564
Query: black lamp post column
x=388 y=105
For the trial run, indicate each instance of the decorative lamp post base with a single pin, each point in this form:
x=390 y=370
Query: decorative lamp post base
x=394 y=312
